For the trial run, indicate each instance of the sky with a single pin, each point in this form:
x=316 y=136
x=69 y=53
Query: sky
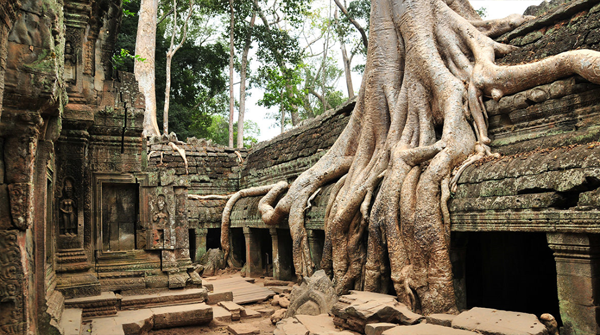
x=268 y=129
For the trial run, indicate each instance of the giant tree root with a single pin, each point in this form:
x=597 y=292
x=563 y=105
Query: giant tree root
x=226 y=217
x=419 y=115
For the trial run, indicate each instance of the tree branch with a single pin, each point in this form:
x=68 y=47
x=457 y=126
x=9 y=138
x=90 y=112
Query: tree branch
x=365 y=40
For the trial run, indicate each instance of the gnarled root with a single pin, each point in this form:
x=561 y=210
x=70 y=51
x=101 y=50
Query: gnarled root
x=429 y=65
x=226 y=217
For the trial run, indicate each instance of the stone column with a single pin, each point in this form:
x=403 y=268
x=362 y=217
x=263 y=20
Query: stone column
x=275 y=246
x=200 y=243
x=577 y=259
x=248 y=238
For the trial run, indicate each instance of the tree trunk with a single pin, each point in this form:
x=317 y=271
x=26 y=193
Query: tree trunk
x=427 y=67
x=167 y=94
x=172 y=50
x=231 y=55
x=145 y=47
x=243 y=73
x=347 y=70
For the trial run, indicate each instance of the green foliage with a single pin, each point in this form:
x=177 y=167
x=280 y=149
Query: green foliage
x=482 y=12
x=218 y=131
x=119 y=59
x=198 y=78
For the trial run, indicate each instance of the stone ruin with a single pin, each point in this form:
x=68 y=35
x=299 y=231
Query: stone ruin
x=90 y=210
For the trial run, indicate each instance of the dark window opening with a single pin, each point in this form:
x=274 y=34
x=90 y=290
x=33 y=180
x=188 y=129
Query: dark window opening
x=511 y=271
x=238 y=247
x=213 y=238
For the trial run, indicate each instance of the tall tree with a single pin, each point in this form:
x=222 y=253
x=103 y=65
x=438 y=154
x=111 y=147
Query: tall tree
x=419 y=114
x=170 y=53
x=231 y=58
x=145 y=48
x=247 y=33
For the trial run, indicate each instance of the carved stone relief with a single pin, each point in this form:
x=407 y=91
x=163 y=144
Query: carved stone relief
x=68 y=210
x=11 y=281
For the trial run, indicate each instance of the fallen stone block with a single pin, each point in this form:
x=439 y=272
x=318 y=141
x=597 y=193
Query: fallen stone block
x=280 y=289
x=290 y=326
x=440 y=319
x=183 y=315
x=221 y=314
x=216 y=297
x=233 y=308
x=356 y=310
x=278 y=315
x=275 y=282
x=318 y=324
x=378 y=328
x=266 y=311
x=497 y=322
x=284 y=302
x=250 y=313
x=425 y=329
x=243 y=329
x=136 y=322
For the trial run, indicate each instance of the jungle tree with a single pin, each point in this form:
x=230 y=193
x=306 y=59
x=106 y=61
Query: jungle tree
x=419 y=114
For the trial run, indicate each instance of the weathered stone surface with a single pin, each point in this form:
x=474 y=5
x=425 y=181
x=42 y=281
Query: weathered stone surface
x=378 y=328
x=290 y=326
x=356 y=310
x=184 y=315
x=243 y=329
x=284 y=302
x=497 y=322
x=136 y=322
x=221 y=314
x=278 y=315
x=316 y=295
x=71 y=321
x=440 y=319
x=318 y=324
x=212 y=261
x=425 y=329
x=216 y=297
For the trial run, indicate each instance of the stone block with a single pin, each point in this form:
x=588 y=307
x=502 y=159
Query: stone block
x=290 y=326
x=497 y=322
x=70 y=321
x=178 y=280
x=440 y=319
x=136 y=322
x=221 y=314
x=183 y=315
x=426 y=329
x=318 y=324
x=378 y=328
x=243 y=329
x=250 y=313
x=216 y=297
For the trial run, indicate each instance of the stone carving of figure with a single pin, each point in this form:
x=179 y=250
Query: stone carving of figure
x=161 y=217
x=68 y=211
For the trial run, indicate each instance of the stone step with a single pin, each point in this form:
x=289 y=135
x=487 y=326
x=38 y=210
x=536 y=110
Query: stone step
x=70 y=321
x=142 y=321
x=105 y=304
x=166 y=298
x=108 y=303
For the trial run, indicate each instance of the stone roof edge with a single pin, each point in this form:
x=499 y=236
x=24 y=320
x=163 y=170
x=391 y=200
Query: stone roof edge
x=556 y=14
x=306 y=124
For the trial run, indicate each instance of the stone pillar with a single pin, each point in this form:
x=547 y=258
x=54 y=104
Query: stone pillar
x=577 y=259
x=200 y=243
x=275 y=246
x=248 y=239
